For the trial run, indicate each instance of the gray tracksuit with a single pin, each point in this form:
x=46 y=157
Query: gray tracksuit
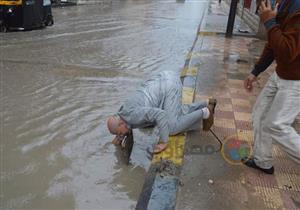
x=157 y=102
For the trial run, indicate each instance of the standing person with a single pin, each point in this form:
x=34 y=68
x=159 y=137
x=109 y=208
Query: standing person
x=278 y=104
x=158 y=103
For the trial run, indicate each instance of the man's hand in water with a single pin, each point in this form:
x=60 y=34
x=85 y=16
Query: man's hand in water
x=117 y=140
x=160 y=147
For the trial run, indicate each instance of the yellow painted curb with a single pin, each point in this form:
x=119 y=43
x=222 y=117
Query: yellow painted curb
x=207 y=33
x=189 y=72
x=187 y=95
x=195 y=55
x=174 y=152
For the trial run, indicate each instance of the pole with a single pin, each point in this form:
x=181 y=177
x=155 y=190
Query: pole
x=231 y=18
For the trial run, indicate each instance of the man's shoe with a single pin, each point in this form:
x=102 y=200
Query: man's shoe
x=207 y=123
x=250 y=163
x=213 y=103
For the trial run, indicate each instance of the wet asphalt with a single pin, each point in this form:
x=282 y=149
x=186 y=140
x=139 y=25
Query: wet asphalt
x=58 y=86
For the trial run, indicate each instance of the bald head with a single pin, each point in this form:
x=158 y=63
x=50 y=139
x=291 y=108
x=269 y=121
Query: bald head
x=113 y=124
x=117 y=126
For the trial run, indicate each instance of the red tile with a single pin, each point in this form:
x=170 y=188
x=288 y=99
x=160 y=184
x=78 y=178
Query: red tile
x=239 y=96
x=258 y=179
x=224 y=100
x=223 y=133
x=224 y=114
x=243 y=125
x=290 y=199
x=244 y=109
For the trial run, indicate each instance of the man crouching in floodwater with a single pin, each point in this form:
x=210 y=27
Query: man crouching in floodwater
x=157 y=102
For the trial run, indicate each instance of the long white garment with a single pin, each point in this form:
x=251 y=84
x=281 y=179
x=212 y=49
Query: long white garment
x=157 y=102
x=274 y=112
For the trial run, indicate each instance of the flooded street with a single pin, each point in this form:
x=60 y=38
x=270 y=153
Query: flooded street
x=57 y=87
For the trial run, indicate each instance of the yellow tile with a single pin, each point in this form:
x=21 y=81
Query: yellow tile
x=242 y=116
x=286 y=180
x=224 y=123
x=187 y=95
x=236 y=82
x=188 y=56
x=278 y=152
x=240 y=102
x=202 y=97
x=252 y=98
x=197 y=54
x=222 y=93
x=193 y=55
x=271 y=197
x=174 y=152
x=245 y=135
x=207 y=33
x=224 y=107
x=239 y=91
x=189 y=72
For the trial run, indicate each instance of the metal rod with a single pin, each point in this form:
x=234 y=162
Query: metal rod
x=231 y=18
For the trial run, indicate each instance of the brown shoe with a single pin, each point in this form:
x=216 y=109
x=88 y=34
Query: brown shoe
x=212 y=102
x=207 y=123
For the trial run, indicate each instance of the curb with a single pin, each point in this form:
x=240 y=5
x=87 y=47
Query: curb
x=162 y=180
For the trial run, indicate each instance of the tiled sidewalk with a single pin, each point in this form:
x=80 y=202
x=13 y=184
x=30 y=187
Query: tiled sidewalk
x=224 y=64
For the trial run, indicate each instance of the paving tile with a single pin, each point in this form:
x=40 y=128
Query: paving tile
x=224 y=123
x=242 y=116
x=238 y=75
x=243 y=125
x=258 y=179
x=278 y=153
x=202 y=97
x=236 y=85
x=239 y=96
x=240 y=102
x=246 y=135
x=224 y=100
x=286 y=165
x=270 y=196
x=224 y=107
x=223 y=133
x=232 y=188
x=291 y=200
x=223 y=93
x=240 y=91
x=288 y=181
x=245 y=109
x=224 y=114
